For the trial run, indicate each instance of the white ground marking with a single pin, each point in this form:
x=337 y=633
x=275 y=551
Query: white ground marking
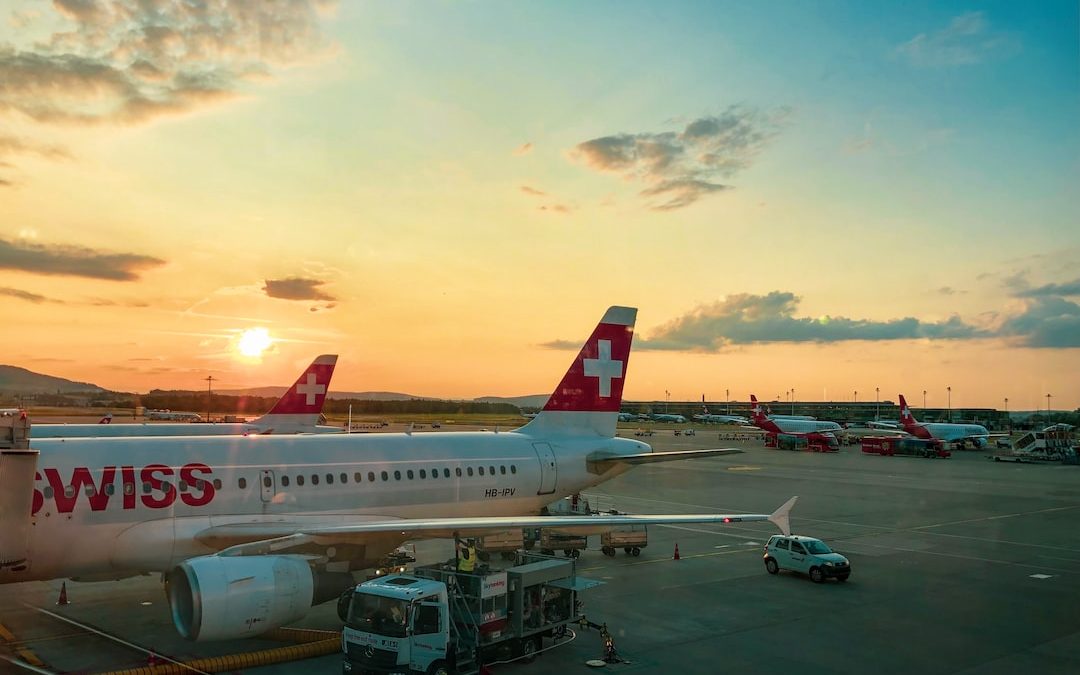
x=1041 y=576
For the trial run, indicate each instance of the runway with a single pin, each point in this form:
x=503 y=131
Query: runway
x=960 y=565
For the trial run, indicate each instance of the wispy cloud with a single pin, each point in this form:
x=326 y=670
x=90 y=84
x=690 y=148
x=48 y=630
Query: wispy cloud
x=296 y=288
x=681 y=167
x=25 y=295
x=967 y=40
x=1067 y=288
x=532 y=191
x=556 y=208
x=74 y=261
x=523 y=149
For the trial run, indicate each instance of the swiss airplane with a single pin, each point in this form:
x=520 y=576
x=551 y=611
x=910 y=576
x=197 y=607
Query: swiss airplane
x=297 y=411
x=942 y=431
x=787 y=425
x=252 y=531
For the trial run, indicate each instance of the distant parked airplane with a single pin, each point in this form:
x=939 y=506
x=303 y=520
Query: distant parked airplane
x=786 y=424
x=713 y=418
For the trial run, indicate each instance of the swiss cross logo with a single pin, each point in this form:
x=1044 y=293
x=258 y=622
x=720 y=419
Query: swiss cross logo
x=311 y=389
x=604 y=368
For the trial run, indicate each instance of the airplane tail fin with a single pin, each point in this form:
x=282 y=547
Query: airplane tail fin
x=588 y=398
x=906 y=418
x=299 y=408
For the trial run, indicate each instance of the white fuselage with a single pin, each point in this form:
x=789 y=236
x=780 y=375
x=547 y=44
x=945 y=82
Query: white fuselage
x=790 y=426
x=112 y=507
x=116 y=430
x=950 y=432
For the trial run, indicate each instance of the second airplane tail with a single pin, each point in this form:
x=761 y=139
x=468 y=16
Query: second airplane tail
x=588 y=398
x=299 y=408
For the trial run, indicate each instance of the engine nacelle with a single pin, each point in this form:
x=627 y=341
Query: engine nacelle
x=227 y=597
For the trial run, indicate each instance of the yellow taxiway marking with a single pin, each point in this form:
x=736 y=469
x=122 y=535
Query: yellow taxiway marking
x=22 y=652
x=744 y=468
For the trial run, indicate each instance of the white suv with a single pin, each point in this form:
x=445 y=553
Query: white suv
x=807 y=555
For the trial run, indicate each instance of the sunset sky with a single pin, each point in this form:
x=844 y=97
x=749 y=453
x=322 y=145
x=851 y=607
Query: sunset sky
x=828 y=197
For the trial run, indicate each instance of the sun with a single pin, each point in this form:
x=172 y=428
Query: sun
x=253 y=342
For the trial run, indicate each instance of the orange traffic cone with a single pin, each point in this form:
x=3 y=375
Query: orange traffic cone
x=62 y=600
x=676 y=556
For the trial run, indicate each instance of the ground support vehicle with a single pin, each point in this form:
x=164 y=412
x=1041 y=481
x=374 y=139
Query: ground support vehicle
x=810 y=442
x=889 y=446
x=438 y=620
x=506 y=543
x=630 y=538
x=1050 y=444
x=806 y=555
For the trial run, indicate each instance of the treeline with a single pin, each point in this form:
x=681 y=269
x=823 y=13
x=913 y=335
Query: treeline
x=257 y=405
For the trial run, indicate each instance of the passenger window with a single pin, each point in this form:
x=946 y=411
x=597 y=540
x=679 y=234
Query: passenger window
x=241 y=483
x=267 y=481
x=110 y=489
x=217 y=483
x=166 y=486
x=502 y=470
x=457 y=470
x=513 y=468
x=300 y=480
x=146 y=487
x=796 y=547
x=469 y=470
x=49 y=493
x=329 y=479
x=371 y=476
x=423 y=473
x=183 y=486
x=314 y=479
x=356 y=477
x=89 y=490
x=385 y=476
x=344 y=478
x=129 y=489
x=284 y=481
x=481 y=470
x=446 y=473
x=782 y=544
x=397 y=475
x=69 y=491
x=491 y=470
x=409 y=474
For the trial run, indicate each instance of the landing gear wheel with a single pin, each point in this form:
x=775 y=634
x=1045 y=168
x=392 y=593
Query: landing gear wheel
x=635 y=551
x=816 y=575
x=771 y=567
x=528 y=650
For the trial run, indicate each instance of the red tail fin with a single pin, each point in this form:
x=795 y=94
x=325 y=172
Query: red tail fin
x=590 y=393
x=299 y=407
x=906 y=417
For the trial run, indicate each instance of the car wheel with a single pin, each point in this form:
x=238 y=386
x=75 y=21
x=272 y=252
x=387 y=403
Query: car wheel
x=770 y=566
x=816 y=575
x=439 y=668
x=843 y=577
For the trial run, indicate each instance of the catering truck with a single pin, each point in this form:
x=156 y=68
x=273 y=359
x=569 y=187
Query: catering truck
x=436 y=620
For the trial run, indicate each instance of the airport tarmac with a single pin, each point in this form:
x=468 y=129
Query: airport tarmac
x=960 y=565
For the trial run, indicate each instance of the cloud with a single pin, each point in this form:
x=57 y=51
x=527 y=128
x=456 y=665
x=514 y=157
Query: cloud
x=25 y=295
x=1045 y=322
x=556 y=208
x=10 y=145
x=1067 y=288
x=523 y=149
x=748 y=319
x=681 y=167
x=74 y=261
x=532 y=191
x=128 y=61
x=967 y=40
x=296 y=288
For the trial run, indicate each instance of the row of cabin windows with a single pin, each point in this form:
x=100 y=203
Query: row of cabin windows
x=408 y=474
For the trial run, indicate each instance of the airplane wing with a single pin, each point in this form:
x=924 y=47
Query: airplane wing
x=438 y=528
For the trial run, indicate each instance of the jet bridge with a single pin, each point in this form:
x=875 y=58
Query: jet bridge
x=18 y=464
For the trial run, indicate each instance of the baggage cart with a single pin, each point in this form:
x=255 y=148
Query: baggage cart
x=630 y=538
x=570 y=544
x=506 y=543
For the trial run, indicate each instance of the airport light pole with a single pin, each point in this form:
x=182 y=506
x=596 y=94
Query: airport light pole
x=856 y=396
x=667 y=400
x=877 y=403
x=727 y=398
x=949 y=390
x=1048 y=409
x=924 y=399
x=793 y=400
x=209 y=395
x=1008 y=422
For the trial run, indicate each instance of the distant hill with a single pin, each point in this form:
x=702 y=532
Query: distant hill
x=15 y=380
x=530 y=401
x=273 y=392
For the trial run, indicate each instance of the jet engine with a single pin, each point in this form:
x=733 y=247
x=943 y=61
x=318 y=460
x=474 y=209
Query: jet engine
x=227 y=597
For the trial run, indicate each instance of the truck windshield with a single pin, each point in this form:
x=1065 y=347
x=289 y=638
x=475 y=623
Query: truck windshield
x=817 y=548
x=376 y=614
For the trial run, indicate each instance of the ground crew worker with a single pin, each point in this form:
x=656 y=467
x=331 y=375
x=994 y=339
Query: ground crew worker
x=466 y=560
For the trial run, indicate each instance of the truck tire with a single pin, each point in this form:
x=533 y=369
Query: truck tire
x=771 y=567
x=608 y=551
x=575 y=553
x=627 y=549
x=528 y=650
x=635 y=551
x=816 y=575
x=439 y=668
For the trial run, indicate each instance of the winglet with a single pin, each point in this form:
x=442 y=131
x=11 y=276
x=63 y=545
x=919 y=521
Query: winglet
x=781 y=516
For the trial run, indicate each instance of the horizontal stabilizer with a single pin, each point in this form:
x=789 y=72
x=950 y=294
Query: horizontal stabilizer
x=652 y=457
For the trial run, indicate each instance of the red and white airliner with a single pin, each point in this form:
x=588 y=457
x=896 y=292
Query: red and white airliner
x=787 y=425
x=296 y=412
x=942 y=431
x=254 y=530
